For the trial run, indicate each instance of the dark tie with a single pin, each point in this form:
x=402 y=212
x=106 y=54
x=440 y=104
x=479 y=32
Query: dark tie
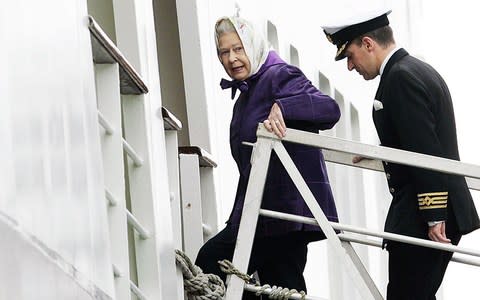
x=234 y=85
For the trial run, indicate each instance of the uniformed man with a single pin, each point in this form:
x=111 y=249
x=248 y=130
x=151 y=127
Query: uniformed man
x=412 y=111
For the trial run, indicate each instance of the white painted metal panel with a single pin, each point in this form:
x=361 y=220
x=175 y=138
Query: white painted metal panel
x=30 y=270
x=209 y=205
x=51 y=177
x=171 y=142
x=174 y=183
x=172 y=127
x=191 y=204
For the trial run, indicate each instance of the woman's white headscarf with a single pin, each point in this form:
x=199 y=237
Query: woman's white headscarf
x=254 y=43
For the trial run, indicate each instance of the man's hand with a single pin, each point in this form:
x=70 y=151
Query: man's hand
x=357 y=159
x=275 y=123
x=437 y=233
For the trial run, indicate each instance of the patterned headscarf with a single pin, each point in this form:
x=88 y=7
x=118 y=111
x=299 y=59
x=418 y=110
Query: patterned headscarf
x=254 y=43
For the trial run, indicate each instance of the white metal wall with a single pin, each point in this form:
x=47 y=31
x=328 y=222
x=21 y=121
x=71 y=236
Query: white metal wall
x=51 y=182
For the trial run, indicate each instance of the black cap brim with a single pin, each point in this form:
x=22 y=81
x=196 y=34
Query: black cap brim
x=343 y=37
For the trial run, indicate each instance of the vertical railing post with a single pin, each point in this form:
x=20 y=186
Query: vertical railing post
x=108 y=101
x=172 y=125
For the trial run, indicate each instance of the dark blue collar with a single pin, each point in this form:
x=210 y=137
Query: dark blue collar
x=234 y=85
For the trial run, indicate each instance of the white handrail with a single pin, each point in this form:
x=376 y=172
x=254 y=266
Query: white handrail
x=376 y=152
x=378 y=244
x=109 y=129
x=134 y=288
x=142 y=231
x=111 y=199
x=116 y=271
x=137 y=160
x=373 y=164
x=363 y=231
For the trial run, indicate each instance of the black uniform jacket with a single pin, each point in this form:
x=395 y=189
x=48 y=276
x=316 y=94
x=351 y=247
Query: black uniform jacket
x=417 y=115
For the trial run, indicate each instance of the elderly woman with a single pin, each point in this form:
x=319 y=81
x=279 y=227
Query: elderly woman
x=280 y=96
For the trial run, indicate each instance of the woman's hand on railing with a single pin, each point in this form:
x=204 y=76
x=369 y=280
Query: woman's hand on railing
x=275 y=123
x=437 y=233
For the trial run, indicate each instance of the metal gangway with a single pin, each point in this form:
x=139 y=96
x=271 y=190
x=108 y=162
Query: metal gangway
x=339 y=151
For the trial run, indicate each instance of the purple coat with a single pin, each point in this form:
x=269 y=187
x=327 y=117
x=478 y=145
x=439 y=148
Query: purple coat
x=304 y=107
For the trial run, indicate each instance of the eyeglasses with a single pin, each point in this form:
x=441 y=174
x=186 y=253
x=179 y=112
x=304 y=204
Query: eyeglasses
x=225 y=53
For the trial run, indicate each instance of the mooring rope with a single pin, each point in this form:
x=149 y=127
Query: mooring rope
x=277 y=293
x=201 y=286
x=198 y=285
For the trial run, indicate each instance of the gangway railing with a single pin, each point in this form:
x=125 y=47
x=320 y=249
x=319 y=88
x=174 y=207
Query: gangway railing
x=377 y=234
x=139 y=259
x=338 y=151
x=172 y=126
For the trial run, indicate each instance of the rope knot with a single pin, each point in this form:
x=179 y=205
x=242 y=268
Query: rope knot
x=278 y=293
x=227 y=267
x=199 y=286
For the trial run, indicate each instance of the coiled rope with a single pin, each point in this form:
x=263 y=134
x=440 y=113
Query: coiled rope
x=277 y=293
x=199 y=286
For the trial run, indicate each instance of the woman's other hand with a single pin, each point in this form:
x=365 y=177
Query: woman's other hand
x=275 y=123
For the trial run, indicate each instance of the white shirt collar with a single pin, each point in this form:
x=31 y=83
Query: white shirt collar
x=385 y=61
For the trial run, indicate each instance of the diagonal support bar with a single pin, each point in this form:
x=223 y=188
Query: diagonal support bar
x=365 y=285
